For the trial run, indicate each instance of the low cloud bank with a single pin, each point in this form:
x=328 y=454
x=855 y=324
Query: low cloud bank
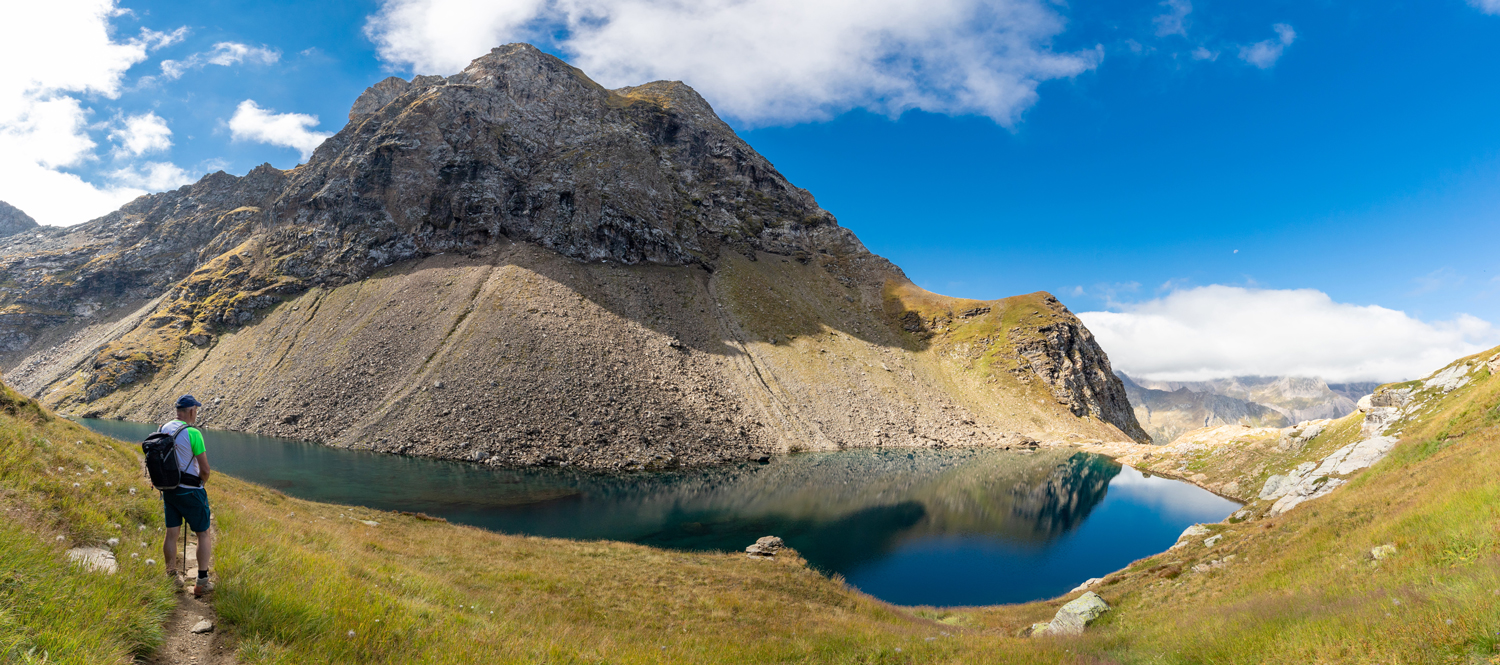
x=1220 y=331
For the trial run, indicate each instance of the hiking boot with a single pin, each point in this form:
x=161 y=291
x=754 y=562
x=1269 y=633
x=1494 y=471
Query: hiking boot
x=202 y=586
x=176 y=578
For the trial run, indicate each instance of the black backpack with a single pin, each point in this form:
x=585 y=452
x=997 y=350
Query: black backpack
x=161 y=461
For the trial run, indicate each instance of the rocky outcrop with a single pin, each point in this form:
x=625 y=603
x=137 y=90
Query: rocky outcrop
x=13 y=221
x=514 y=265
x=1073 y=617
x=1063 y=355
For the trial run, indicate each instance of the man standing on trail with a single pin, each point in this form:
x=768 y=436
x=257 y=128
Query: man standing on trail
x=189 y=500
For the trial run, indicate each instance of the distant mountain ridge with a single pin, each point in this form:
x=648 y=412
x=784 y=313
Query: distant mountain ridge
x=1167 y=409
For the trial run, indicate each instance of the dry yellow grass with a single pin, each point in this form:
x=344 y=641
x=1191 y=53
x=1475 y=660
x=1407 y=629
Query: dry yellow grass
x=307 y=583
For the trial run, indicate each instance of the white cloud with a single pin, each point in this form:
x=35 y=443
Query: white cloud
x=152 y=176
x=291 y=130
x=1202 y=53
x=223 y=54
x=765 y=61
x=1264 y=54
x=56 y=53
x=1220 y=331
x=141 y=134
x=1171 y=23
x=1486 y=6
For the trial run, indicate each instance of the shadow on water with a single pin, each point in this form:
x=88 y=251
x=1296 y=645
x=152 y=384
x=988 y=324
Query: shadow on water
x=951 y=527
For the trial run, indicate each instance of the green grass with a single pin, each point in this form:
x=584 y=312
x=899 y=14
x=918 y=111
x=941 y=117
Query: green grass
x=305 y=582
x=52 y=611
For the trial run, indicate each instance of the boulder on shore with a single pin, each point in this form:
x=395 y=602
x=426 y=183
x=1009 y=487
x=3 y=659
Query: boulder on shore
x=1072 y=618
x=765 y=548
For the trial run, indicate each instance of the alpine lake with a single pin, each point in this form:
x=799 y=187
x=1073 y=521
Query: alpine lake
x=950 y=527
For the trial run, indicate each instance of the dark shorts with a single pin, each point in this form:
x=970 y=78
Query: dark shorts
x=190 y=504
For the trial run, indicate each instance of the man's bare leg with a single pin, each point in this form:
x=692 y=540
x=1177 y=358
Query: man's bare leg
x=169 y=549
x=205 y=549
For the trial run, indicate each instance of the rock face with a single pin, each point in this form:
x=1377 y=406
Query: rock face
x=1167 y=409
x=513 y=265
x=13 y=221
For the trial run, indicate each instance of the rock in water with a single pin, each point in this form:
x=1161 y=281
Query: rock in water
x=517 y=258
x=765 y=548
x=1072 y=618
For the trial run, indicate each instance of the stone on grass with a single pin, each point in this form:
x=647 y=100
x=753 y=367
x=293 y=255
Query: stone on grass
x=1382 y=551
x=1212 y=540
x=1075 y=616
x=1088 y=584
x=1190 y=533
x=204 y=626
x=764 y=548
x=94 y=559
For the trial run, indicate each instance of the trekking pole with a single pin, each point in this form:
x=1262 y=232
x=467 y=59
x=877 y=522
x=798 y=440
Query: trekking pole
x=184 y=548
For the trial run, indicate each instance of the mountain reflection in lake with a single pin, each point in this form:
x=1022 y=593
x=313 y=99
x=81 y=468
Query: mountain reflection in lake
x=949 y=527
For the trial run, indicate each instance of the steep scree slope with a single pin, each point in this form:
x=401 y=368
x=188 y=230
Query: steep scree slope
x=516 y=265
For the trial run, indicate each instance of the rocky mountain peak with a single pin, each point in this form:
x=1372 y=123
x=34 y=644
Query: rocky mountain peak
x=13 y=221
x=658 y=249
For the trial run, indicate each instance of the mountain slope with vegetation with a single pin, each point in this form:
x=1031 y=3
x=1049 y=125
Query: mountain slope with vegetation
x=1301 y=586
x=457 y=273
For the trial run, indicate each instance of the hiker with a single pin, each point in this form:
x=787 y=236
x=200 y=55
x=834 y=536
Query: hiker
x=188 y=500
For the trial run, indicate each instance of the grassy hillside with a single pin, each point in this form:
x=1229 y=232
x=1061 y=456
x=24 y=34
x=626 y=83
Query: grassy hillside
x=299 y=576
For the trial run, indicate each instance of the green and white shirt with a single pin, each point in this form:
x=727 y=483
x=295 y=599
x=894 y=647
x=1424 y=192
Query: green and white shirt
x=189 y=447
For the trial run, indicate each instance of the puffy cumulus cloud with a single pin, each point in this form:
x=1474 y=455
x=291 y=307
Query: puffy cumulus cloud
x=1487 y=6
x=1264 y=54
x=57 y=53
x=290 y=130
x=152 y=176
x=765 y=61
x=140 y=134
x=224 y=54
x=1221 y=331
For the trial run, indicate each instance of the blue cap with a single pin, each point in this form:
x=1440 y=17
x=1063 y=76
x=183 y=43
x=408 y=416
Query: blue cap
x=187 y=401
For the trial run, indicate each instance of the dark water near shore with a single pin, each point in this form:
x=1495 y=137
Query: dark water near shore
x=913 y=527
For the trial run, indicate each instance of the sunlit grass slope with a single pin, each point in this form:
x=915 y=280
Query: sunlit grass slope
x=1303 y=587
x=61 y=486
x=310 y=583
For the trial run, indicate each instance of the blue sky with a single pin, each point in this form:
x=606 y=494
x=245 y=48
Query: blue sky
x=1117 y=154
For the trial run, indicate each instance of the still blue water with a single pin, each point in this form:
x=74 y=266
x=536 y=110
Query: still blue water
x=913 y=527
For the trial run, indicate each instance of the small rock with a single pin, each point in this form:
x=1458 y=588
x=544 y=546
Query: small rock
x=1213 y=540
x=1075 y=616
x=1382 y=551
x=765 y=548
x=94 y=559
x=369 y=523
x=1088 y=584
x=1190 y=533
x=204 y=626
